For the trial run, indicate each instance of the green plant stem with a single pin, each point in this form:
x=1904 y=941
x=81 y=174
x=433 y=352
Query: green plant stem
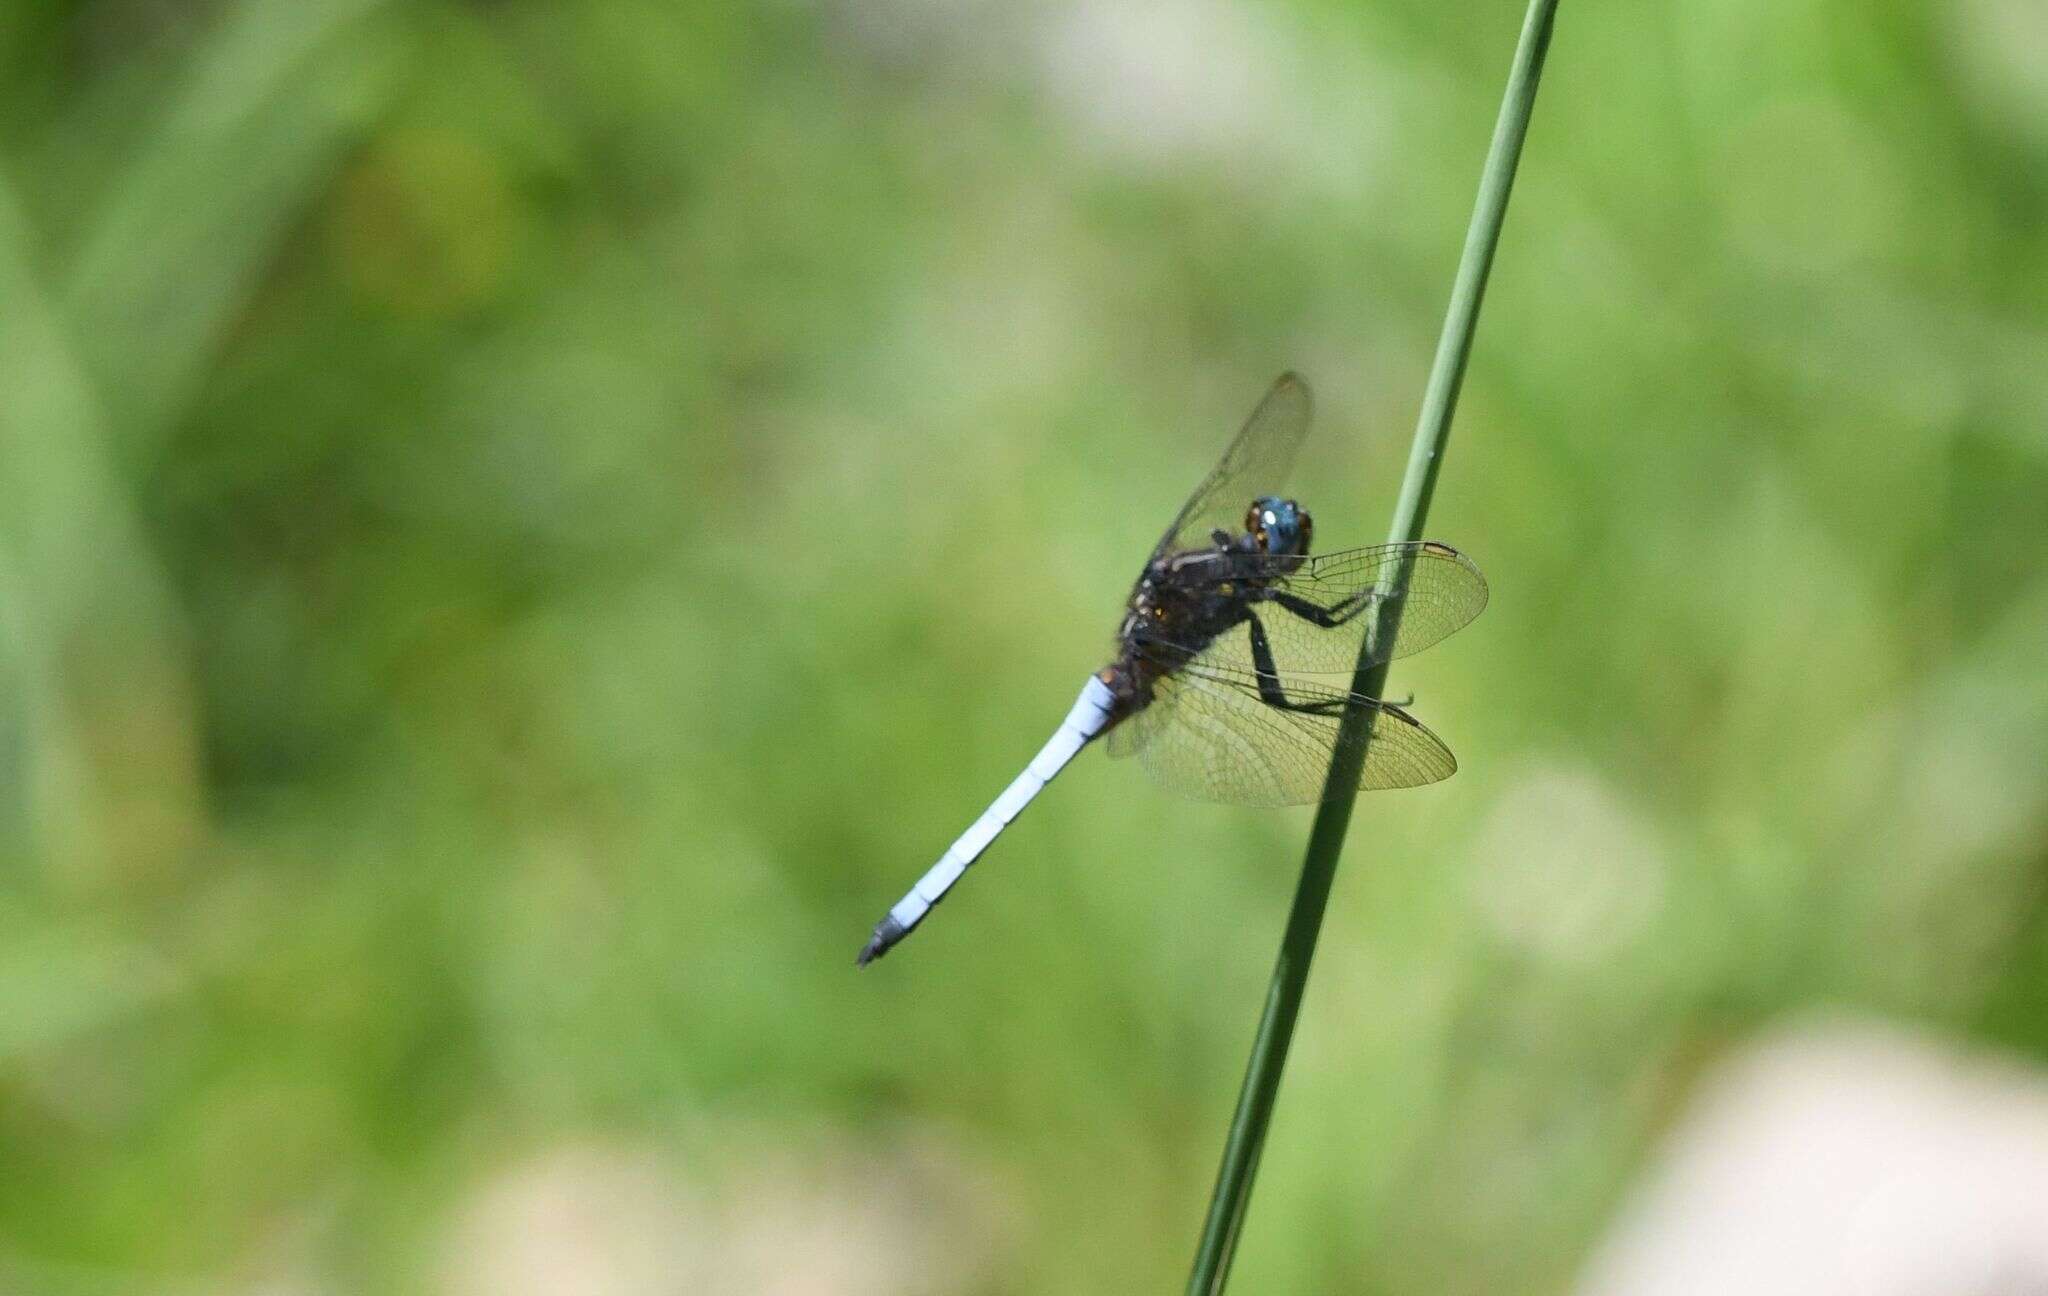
x=1247 y=1136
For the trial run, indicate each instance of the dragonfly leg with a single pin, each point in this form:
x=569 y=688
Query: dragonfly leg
x=1269 y=678
x=1315 y=613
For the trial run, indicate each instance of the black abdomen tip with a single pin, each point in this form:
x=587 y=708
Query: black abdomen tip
x=887 y=933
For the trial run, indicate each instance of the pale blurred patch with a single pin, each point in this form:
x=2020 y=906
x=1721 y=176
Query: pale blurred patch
x=1167 y=83
x=1154 y=77
x=580 y=1221
x=828 y=1219
x=1565 y=869
x=1998 y=47
x=850 y=1222
x=1851 y=1159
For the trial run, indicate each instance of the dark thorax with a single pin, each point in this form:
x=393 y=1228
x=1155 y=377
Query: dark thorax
x=1182 y=602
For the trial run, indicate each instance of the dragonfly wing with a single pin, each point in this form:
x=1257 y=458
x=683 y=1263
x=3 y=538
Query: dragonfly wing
x=1208 y=734
x=1445 y=591
x=1126 y=739
x=1257 y=463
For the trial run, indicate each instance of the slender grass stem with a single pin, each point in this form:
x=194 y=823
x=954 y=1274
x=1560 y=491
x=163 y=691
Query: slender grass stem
x=1247 y=1136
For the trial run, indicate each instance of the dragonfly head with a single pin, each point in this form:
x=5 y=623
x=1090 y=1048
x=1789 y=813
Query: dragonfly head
x=1279 y=526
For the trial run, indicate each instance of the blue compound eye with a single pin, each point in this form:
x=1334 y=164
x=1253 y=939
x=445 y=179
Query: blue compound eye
x=1280 y=526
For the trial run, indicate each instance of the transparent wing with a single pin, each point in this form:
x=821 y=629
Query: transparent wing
x=1208 y=734
x=1257 y=463
x=1445 y=592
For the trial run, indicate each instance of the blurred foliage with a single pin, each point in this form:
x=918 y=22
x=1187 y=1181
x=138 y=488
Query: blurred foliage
x=525 y=526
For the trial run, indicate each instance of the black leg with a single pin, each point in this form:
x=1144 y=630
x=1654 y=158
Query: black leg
x=1269 y=678
x=1315 y=613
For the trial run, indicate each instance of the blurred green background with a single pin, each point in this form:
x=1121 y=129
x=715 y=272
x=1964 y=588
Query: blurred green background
x=526 y=526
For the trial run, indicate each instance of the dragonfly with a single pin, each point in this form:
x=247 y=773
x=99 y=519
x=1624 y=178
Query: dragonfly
x=1236 y=654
